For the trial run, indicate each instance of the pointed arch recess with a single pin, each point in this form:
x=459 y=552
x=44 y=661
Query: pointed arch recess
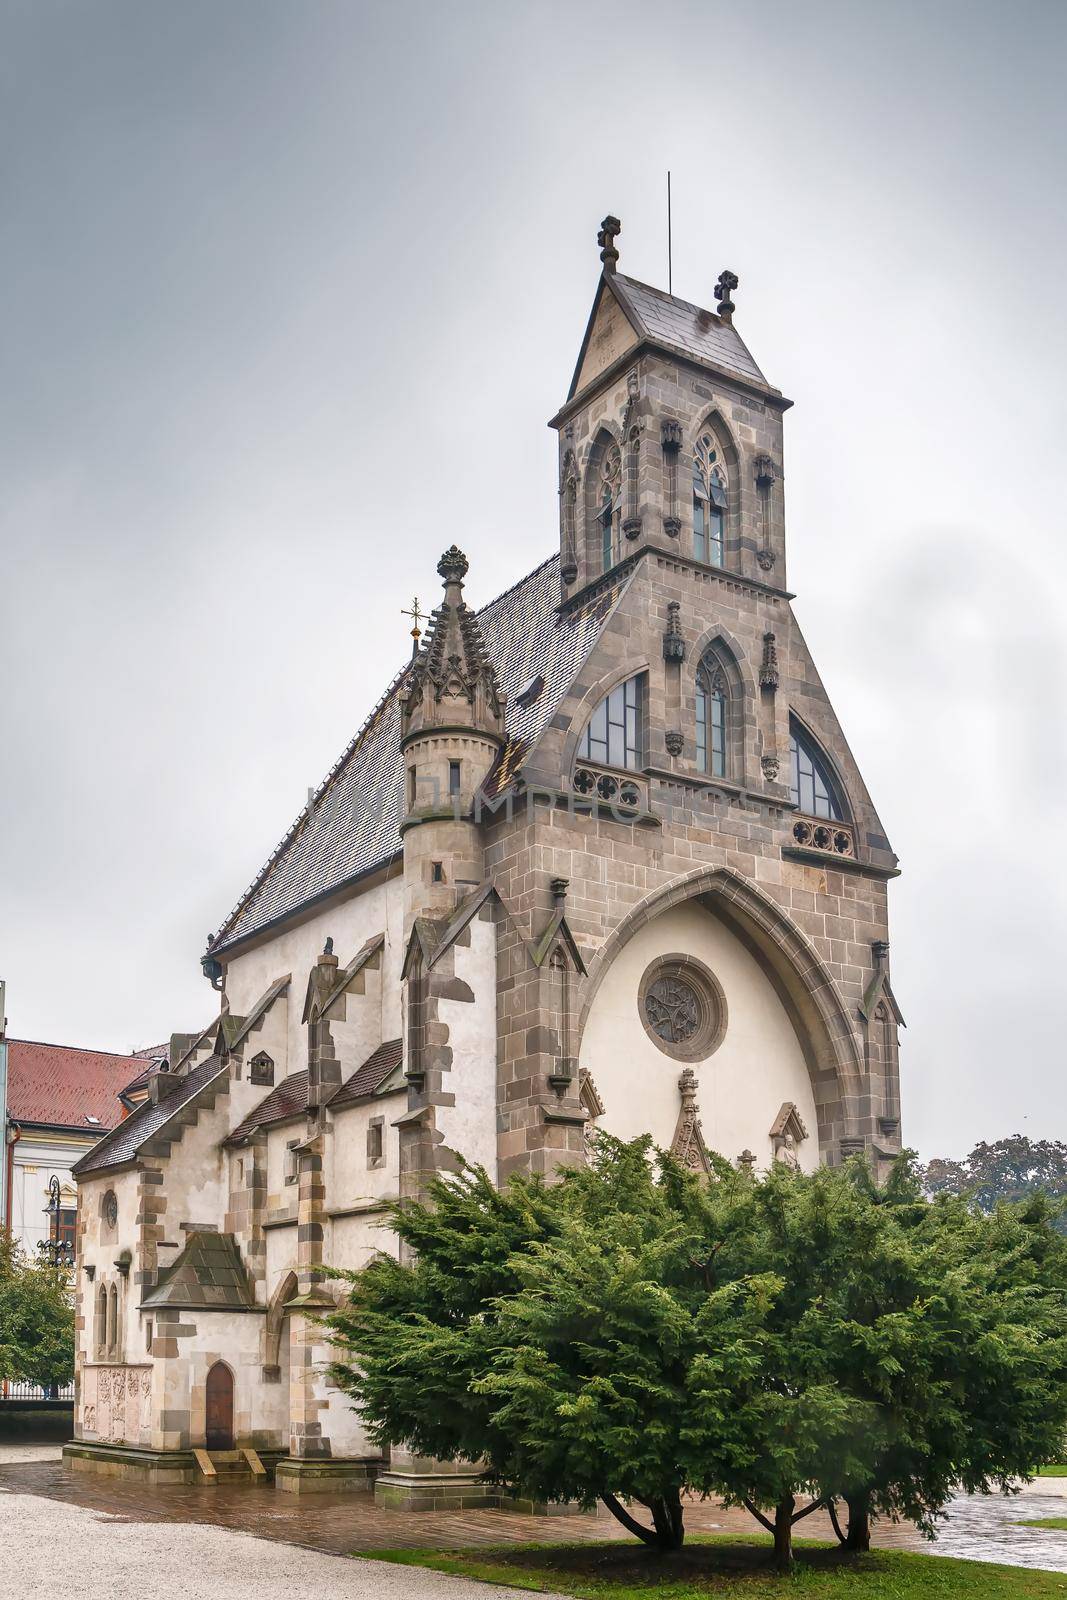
x=274 y=1321
x=717 y=651
x=801 y=979
x=715 y=423
x=608 y=439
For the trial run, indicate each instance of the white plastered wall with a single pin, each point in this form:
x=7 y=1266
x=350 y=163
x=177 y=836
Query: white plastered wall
x=469 y=1126
x=741 y=1087
x=349 y=1177
x=379 y=909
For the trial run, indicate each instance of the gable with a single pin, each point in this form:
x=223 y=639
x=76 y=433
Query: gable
x=609 y=335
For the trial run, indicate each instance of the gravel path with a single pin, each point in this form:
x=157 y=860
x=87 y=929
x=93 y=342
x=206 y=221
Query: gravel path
x=66 y=1552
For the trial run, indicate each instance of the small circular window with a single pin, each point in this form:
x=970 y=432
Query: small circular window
x=682 y=1007
x=110 y=1209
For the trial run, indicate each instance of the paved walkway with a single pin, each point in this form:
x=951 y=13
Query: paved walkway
x=66 y=1551
x=978 y=1528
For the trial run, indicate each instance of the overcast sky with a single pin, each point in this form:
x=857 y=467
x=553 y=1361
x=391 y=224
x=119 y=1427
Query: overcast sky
x=289 y=291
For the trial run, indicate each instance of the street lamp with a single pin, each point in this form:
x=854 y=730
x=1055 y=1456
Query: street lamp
x=56 y=1252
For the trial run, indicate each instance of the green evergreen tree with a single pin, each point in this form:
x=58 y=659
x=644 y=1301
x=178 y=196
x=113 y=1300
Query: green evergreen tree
x=633 y=1333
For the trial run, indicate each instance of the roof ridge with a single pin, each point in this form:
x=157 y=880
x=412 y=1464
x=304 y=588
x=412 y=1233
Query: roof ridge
x=85 y=1049
x=675 y=299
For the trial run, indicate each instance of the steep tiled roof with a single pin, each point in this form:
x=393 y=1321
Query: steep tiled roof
x=208 y=1274
x=287 y=1099
x=123 y=1142
x=367 y=1079
x=688 y=328
x=353 y=823
x=64 y=1086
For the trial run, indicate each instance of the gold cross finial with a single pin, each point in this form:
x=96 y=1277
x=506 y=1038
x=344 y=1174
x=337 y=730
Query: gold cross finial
x=416 y=616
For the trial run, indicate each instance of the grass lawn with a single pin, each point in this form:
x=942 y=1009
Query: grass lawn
x=1058 y=1469
x=1045 y=1522
x=727 y=1567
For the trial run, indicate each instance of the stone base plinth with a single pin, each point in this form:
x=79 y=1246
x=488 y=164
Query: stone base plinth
x=434 y=1491
x=161 y=1468
x=326 y=1475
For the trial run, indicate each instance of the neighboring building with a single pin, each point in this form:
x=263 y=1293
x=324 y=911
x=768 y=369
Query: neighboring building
x=59 y=1100
x=600 y=857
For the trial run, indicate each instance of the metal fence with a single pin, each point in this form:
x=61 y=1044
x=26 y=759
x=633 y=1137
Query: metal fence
x=18 y=1389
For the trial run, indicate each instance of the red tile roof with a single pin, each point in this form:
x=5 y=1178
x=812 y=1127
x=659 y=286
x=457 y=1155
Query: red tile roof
x=62 y=1085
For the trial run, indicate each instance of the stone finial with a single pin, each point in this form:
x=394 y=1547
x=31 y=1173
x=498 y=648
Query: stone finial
x=453 y=565
x=606 y=240
x=880 y=951
x=746 y=1162
x=327 y=948
x=673 y=642
x=559 y=887
x=768 y=672
x=451 y=680
x=723 y=289
x=688 y=1147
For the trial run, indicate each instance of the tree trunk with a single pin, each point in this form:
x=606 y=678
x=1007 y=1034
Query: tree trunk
x=859 y=1521
x=783 y=1533
x=667 y=1531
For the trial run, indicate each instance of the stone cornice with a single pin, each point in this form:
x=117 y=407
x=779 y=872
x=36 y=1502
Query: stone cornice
x=645 y=346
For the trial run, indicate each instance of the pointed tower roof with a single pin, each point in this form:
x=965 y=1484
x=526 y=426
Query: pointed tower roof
x=452 y=681
x=628 y=316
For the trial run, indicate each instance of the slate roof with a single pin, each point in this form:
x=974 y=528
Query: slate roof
x=208 y=1275
x=290 y=1097
x=368 y=1079
x=62 y=1086
x=687 y=328
x=353 y=823
x=287 y=1099
x=123 y=1142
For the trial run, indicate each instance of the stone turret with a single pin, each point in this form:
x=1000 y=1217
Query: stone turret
x=452 y=728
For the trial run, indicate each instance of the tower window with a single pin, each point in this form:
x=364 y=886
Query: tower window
x=376 y=1142
x=711 y=719
x=811 y=786
x=413 y=786
x=615 y=734
x=454 y=777
x=709 y=503
x=438 y=872
x=610 y=505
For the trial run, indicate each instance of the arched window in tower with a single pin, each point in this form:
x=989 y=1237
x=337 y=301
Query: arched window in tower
x=813 y=789
x=614 y=736
x=709 y=502
x=711 y=709
x=609 y=502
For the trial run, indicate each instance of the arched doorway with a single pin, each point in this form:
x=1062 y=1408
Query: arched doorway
x=219 y=1429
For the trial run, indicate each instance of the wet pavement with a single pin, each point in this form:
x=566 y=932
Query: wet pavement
x=978 y=1528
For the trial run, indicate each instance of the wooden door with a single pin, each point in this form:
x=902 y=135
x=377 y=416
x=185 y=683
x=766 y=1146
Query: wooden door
x=220 y=1407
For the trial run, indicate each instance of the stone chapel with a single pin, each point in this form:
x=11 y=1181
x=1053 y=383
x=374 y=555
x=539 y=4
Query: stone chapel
x=600 y=857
